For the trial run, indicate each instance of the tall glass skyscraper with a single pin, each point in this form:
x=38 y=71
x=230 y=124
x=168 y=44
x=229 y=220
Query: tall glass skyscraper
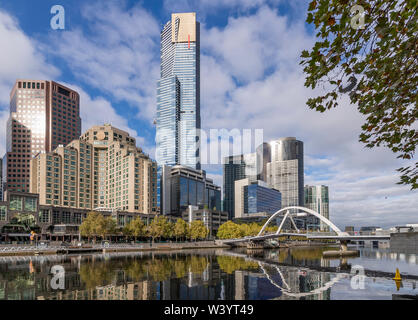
x=178 y=93
x=317 y=199
x=285 y=171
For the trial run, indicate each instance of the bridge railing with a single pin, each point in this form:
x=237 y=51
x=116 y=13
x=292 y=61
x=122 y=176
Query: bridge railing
x=319 y=234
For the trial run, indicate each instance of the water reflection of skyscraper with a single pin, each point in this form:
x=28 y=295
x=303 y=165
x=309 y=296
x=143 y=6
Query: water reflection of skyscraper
x=177 y=277
x=222 y=291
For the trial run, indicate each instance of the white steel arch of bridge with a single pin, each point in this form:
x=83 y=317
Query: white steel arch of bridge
x=288 y=214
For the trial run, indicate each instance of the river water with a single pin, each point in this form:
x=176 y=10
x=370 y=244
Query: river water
x=296 y=273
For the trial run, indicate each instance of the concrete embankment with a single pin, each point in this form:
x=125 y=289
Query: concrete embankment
x=112 y=248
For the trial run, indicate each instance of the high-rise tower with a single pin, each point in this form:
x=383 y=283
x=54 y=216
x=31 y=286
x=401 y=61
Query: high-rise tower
x=178 y=93
x=285 y=171
x=102 y=169
x=317 y=199
x=43 y=115
x=251 y=165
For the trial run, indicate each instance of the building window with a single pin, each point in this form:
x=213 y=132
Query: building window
x=44 y=216
x=66 y=217
x=30 y=204
x=3 y=213
x=77 y=218
x=15 y=203
x=56 y=217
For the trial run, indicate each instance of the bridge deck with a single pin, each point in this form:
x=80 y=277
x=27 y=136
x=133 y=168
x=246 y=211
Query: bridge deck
x=308 y=237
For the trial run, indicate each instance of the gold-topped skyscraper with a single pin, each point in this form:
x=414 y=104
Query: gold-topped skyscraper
x=178 y=93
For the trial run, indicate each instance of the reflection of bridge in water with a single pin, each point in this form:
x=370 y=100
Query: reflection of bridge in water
x=287 y=290
x=337 y=234
x=291 y=279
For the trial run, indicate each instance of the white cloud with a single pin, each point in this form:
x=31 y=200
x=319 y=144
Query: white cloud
x=19 y=58
x=116 y=53
x=253 y=80
x=251 y=46
x=206 y=7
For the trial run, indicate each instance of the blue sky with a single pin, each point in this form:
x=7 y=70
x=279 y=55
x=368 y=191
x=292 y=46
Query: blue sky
x=250 y=79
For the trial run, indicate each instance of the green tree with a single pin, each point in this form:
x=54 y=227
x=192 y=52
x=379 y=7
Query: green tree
x=379 y=60
x=251 y=229
x=97 y=225
x=89 y=227
x=168 y=229
x=230 y=230
x=158 y=227
x=180 y=229
x=106 y=226
x=136 y=228
x=232 y=264
x=254 y=229
x=198 y=230
x=204 y=232
x=127 y=231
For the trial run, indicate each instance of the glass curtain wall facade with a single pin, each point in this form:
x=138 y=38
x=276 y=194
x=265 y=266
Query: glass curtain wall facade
x=168 y=115
x=237 y=168
x=285 y=171
x=186 y=186
x=317 y=199
x=178 y=96
x=178 y=93
x=186 y=191
x=261 y=199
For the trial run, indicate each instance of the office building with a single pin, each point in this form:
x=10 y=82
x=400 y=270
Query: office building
x=317 y=199
x=43 y=115
x=368 y=230
x=51 y=222
x=1 y=179
x=285 y=171
x=103 y=169
x=253 y=197
x=237 y=168
x=184 y=186
x=178 y=93
x=212 y=219
x=263 y=154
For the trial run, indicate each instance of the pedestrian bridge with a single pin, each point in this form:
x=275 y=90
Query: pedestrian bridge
x=336 y=233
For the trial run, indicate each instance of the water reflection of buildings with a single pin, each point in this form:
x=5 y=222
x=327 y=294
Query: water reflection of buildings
x=255 y=286
x=142 y=290
x=98 y=277
x=202 y=275
x=211 y=284
x=102 y=277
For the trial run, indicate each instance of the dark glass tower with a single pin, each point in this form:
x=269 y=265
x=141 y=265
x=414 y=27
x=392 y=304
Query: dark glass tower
x=236 y=168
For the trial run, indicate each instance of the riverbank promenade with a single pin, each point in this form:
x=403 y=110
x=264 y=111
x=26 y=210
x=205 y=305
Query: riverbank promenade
x=59 y=248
